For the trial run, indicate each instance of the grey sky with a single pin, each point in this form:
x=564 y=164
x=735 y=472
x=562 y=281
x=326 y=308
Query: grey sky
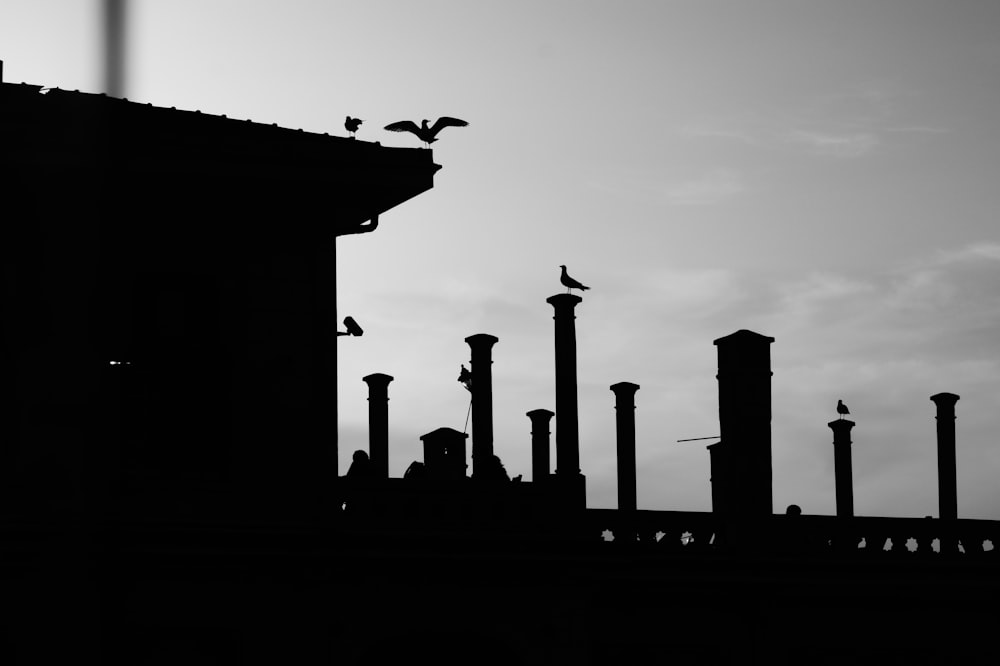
x=822 y=172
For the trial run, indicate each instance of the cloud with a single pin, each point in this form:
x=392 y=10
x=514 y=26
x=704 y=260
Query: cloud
x=919 y=129
x=712 y=187
x=885 y=344
x=726 y=134
x=709 y=187
x=844 y=146
x=845 y=125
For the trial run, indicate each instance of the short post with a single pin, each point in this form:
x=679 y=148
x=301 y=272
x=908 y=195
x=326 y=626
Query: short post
x=378 y=423
x=625 y=428
x=540 y=456
x=947 y=468
x=842 y=469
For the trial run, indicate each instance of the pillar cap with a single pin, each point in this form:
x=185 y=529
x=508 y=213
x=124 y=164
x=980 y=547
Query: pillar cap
x=564 y=300
x=377 y=378
x=482 y=338
x=540 y=413
x=842 y=423
x=624 y=387
x=743 y=335
x=945 y=398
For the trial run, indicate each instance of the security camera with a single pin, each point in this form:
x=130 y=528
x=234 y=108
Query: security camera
x=352 y=327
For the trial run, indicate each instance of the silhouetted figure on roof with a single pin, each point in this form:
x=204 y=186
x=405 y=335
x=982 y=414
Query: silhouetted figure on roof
x=842 y=409
x=569 y=282
x=426 y=134
x=352 y=125
x=494 y=471
x=361 y=467
x=465 y=377
x=416 y=471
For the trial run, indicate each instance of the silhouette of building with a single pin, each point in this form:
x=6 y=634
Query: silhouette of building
x=170 y=491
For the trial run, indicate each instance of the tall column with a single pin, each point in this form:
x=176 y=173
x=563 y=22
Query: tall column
x=567 y=420
x=842 y=469
x=745 y=424
x=378 y=423
x=540 y=459
x=481 y=364
x=947 y=484
x=625 y=428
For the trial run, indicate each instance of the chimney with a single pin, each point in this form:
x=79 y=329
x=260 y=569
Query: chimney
x=444 y=454
x=540 y=459
x=843 y=476
x=625 y=428
x=567 y=423
x=741 y=460
x=947 y=484
x=717 y=478
x=481 y=364
x=378 y=423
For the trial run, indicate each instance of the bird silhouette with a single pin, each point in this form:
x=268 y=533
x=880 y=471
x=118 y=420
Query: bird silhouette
x=352 y=125
x=569 y=282
x=842 y=408
x=465 y=377
x=426 y=134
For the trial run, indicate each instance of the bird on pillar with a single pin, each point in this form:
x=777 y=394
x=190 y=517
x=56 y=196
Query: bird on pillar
x=842 y=409
x=569 y=282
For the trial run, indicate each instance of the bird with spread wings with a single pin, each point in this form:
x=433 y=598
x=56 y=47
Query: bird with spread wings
x=427 y=134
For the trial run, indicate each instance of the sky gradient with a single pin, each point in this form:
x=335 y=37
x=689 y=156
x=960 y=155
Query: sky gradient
x=825 y=173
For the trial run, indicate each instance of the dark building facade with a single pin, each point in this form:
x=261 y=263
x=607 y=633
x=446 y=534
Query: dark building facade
x=170 y=491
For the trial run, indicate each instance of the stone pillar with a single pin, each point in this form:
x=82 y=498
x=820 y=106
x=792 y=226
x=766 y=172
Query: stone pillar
x=540 y=457
x=378 y=423
x=947 y=483
x=625 y=428
x=842 y=469
x=481 y=368
x=571 y=483
x=567 y=420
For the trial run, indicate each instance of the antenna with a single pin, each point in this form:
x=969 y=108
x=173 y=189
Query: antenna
x=114 y=47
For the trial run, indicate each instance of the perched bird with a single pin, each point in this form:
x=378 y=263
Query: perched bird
x=426 y=134
x=352 y=327
x=842 y=408
x=569 y=282
x=465 y=377
x=352 y=125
